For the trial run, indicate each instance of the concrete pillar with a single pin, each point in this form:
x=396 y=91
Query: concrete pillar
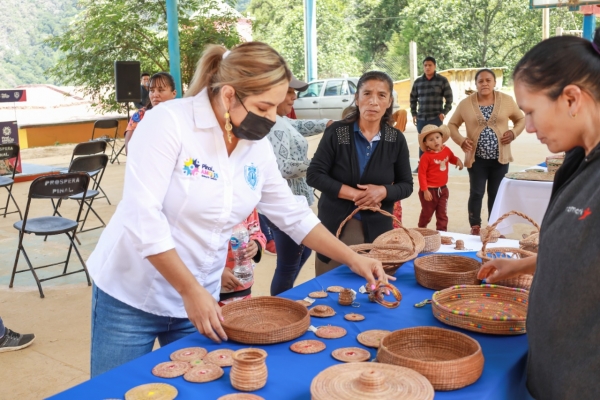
x=545 y=23
x=412 y=50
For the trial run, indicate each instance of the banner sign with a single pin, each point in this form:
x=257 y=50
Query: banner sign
x=12 y=96
x=9 y=134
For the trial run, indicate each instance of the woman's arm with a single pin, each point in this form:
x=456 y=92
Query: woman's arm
x=503 y=268
x=455 y=122
x=402 y=187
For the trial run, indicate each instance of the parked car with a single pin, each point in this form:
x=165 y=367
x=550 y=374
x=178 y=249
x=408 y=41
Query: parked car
x=327 y=98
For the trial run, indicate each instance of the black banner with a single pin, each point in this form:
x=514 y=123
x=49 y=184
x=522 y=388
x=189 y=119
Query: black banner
x=12 y=96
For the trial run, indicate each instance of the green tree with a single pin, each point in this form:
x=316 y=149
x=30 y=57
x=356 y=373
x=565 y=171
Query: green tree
x=108 y=30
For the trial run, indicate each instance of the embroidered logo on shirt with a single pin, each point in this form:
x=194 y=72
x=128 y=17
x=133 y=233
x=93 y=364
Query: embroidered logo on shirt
x=251 y=175
x=583 y=214
x=442 y=163
x=192 y=167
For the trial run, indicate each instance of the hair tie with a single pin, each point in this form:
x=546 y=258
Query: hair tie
x=596 y=47
x=226 y=54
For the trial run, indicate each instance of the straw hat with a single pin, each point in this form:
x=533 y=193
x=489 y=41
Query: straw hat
x=427 y=129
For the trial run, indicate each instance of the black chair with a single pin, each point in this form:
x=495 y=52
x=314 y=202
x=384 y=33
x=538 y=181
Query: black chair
x=95 y=164
x=8 y=152
x=88 y=149
x=52 y=187
x=105 y=128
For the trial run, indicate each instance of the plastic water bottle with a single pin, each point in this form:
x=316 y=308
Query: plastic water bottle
x=242 y=269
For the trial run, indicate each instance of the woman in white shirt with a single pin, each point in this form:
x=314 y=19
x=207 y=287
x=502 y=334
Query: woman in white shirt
x=198 y=168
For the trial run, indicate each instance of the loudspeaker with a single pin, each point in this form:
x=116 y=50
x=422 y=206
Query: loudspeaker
x=127 y=81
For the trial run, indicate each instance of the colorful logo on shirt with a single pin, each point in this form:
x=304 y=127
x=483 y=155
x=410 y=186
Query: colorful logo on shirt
x=583 y=214
x=192 y=167
x=251 y=175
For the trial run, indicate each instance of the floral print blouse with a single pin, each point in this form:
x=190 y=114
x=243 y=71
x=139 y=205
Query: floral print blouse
x=487 y=145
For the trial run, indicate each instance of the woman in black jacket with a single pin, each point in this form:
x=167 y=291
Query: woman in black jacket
x=361 y=161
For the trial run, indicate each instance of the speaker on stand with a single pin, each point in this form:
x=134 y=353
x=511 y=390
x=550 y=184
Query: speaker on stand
x=127 y=87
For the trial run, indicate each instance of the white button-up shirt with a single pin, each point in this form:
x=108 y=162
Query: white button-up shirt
x=182 y=191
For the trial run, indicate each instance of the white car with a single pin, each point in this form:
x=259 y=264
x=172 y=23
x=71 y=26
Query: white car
x=327 y=98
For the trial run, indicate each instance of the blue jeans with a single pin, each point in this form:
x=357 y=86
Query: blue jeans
x=2 y=328
x=121 y=333
x=290 y=260
x=422 y=122
x=265 y=227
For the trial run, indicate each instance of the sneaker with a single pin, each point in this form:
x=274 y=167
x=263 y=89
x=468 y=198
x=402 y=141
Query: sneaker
x=475 y=230
x=270 y=248
x=12 y=341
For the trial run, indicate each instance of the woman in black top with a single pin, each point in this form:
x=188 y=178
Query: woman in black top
x=557 y=85
x=361 y=161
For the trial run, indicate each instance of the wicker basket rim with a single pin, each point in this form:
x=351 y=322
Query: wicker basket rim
x=426 y=231
x=444 y=273
x=246 y=329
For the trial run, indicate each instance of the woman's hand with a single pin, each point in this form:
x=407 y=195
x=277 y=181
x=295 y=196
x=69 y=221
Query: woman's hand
x=508 y=137
x=228 y=280
x=370 y=269
x=427 y=195
x=504 y=268
x=251 y=250
x=370 y=195
x=204 y=312
x=467 y=145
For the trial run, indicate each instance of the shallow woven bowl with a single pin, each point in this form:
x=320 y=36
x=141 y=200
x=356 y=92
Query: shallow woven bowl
x=399 y=237
x=265 y=320
x=450 y=360
x=433 y=239
x=438 y=271
x=492 y=309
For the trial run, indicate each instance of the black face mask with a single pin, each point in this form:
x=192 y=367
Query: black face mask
x=253 y=127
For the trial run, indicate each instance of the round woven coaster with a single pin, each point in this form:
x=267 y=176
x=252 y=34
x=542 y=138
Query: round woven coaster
x=240 y=396
x=171 y=369
x=318 y=295
x=354 y=317
x=304 y=303
x=189 y=354
x=222 y=357
x=198 y=363
x=335 y=289
x=322 y=311
x=330 y=332
x=205 y=373
x=308 y=346
x=153 y=391
x=351 y=354
x=372 y=338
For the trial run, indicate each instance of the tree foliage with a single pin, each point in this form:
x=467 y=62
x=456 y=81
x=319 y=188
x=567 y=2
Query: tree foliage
x=108 y=30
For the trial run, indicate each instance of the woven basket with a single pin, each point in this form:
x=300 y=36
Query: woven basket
x=392 y=256
x=495 y=235
x=492 y=309
x=370 y=381
x=398 y=236
x=531 y=242
x=433 y=239
x=438 y=271
x=265 y=320
x=449 y=360
x=522 y=281
x=553 y=163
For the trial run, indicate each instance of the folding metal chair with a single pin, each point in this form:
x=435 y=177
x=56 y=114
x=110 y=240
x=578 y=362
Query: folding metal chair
x=95 y=164
x=8 y=152
x=103 y=126
x=88 y=149
x=52 y=187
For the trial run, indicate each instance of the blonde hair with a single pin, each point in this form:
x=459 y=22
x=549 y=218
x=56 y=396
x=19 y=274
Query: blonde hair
x=250 y=68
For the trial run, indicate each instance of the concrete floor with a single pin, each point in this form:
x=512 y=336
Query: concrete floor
x=59 y=358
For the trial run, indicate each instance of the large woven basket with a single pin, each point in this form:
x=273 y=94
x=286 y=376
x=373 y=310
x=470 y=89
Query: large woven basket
x=492 y=309
x=450 y=360
x=370 y=381
x=522 y=281
x=439 y=271
x=433 y=239
x=265 y=320
x=391 y=255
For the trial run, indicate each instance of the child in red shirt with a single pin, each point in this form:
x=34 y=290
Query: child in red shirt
x=433 y=175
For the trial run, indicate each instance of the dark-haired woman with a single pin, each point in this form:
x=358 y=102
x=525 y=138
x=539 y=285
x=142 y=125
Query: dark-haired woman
x=162 y=88
x=361 y=161
x=557 y=85
x=485 y=114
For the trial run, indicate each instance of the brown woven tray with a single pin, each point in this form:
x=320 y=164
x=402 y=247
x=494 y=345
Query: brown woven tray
x=370 y=381
x=433 y=239
x=439 y=271
x=531 y=175
x=265 y=320
x=522 y=281
x=393 y=255
x=449 y=360
x=492 y=309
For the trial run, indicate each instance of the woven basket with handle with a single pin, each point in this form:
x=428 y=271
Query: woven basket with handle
x=488 y=254
x=392 y=255
x=439 y=271
x=449 y=360
x=531 y=242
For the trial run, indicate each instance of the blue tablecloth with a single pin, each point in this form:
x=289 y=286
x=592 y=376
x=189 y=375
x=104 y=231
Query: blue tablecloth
x=290 y=374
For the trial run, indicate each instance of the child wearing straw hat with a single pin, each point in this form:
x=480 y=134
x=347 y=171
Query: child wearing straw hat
x=433 y=175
